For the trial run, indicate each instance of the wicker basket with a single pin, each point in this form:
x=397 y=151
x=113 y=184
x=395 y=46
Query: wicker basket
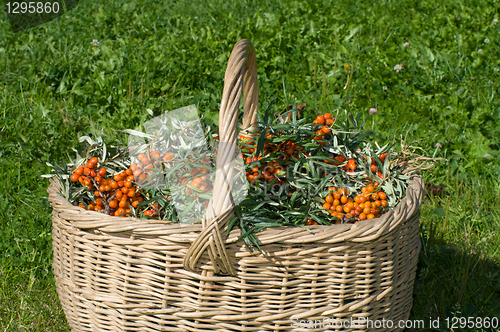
x=125 y=274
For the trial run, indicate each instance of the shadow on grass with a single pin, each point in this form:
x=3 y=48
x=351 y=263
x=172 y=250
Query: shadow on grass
x=455 y=282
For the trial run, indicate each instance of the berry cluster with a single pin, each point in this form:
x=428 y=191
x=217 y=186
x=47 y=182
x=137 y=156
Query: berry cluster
x=111 y=194
x=368 y=204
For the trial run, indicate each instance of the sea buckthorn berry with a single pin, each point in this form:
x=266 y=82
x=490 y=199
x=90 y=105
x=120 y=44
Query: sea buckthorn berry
x=325 y=130
x=81 y=205
x=327 y=115
x=343 y=199
x=339 y=208
x=119 y=212
x=79 y=170
x=378 y=203
x=337 y=196
x=383 y=202
x=119 y=194
x=329 y=122
x=94 y=160
x=370 y=216
x=97 y=194
x=127 y=184
x=347 y=209
x=107 y=188
x=90 y=207
x=320 y=119
x=117 y=178
x=362 y=216
x=329 y=198
x=149 y=213
x=86 y=171
x=123 y=204
x=113 y=184
x=326 y=206
x=374 y=197
x=113 y=204
x=99 y=201
x=102 y=172
x=381 y=195
x=75 y=177
x=336 y=202
x=167 y=157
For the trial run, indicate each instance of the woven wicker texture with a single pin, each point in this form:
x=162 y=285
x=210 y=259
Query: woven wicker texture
x=125 y=274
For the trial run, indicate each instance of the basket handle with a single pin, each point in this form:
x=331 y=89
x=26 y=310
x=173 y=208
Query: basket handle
x=240 y=76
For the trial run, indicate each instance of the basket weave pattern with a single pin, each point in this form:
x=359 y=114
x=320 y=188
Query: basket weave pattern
x=125 y=274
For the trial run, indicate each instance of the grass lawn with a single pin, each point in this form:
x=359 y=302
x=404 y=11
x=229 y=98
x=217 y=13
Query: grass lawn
x=431 y=68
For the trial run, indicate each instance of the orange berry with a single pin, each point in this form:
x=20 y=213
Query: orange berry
x=336 y=202
x=382 y=195
x=339 y=208
x=102 y=172
x=370 y=216
x=113 y=204
x=327 y=115
x=383 y=202
x=79 y=170
x=75 y=177
x=320 y=119
x=362 y=216
x=119 y=212
x=329 y=198
x=343 y=199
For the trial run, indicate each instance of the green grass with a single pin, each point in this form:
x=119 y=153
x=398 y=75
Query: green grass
x=55 y=86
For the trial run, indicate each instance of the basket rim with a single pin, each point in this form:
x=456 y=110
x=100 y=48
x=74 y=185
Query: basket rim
x=365 y=230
